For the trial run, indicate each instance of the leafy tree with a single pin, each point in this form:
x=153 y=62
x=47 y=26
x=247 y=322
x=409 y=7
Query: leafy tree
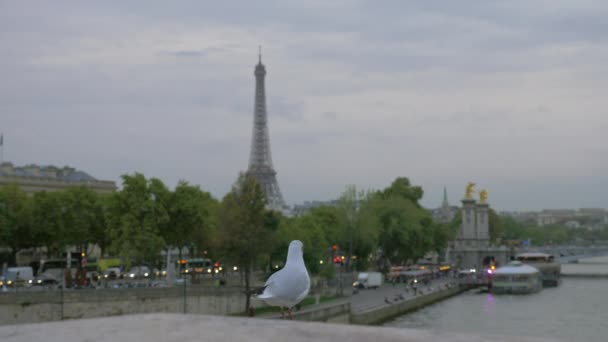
x=244 y=236
x=136 y=215
x=98 y=231
x=15 y=219
x=189 y=211
x=357 y=233
x=406 y=231
x=47 y=222
x=81 y=216
x=496 y=228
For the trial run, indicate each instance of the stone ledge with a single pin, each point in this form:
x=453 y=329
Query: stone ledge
x=185 y=328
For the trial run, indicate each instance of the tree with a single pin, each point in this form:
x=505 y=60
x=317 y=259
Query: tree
x=357 y=231
x=47 y=222
x=136 y=215
x=244 y=236
x=406 y=230
x=189 y=212
x=15 y=219
x=81 y=216
x=496 y=228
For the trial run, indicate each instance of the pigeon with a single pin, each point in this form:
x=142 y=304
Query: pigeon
x=287 y=287
x=387 y=301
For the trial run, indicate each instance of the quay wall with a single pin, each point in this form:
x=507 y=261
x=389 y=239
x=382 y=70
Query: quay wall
x=386 y=312
x=52 y=305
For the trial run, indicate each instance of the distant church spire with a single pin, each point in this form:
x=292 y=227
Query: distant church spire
x=446 y=212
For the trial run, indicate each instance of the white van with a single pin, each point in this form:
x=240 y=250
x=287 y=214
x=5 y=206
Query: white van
x=19 y=276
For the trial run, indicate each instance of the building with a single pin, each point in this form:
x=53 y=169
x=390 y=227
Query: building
x=35 y=178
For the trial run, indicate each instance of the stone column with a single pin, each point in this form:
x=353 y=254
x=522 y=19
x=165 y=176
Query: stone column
x=467 y=230
x=483 y=224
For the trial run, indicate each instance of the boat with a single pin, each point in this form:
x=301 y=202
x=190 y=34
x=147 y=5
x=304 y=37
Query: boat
x=549 y=268
x=516 y=278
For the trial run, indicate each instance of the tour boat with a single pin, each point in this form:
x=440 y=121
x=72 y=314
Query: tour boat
x=550 y=270
x=516 y=278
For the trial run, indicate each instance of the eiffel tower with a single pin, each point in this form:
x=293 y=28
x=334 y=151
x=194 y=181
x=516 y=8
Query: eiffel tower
x=260 y=160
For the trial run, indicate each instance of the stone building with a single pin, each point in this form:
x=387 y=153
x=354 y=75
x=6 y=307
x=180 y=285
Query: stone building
x=472 y=248
x=34 y=178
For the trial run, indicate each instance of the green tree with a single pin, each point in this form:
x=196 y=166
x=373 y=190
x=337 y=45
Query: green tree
x=81 y=217
x=189 y=213
x=47 y=222
x=357 y=233
x=244 y=236
x=495 y=226
x=406 y=230
x=15 y=219
x=136 y=215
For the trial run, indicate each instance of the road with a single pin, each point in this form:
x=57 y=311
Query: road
x=389 y=294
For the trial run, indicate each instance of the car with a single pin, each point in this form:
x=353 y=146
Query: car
x=139 y=272
x=49 y=277
x=112 y=273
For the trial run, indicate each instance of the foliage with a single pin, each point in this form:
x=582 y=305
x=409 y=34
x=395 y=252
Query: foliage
x=15 y=219
x=189 y=223
x=47 y=221
x=496 y=228
x=407 y=231
x=136 y=215
x=244 y=236
x=357 y=231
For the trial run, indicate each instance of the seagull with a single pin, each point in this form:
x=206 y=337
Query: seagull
x=287 y=287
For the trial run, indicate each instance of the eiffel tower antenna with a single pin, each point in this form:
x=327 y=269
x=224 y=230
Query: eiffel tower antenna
x=260 y=159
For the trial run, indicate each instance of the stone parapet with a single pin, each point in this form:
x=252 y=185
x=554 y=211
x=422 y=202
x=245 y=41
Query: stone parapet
x=175 y=327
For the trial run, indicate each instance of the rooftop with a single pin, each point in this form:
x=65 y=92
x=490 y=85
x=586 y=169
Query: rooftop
x=516 y=267
x=66 y=173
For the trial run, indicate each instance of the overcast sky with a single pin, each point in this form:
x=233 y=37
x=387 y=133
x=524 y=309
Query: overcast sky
x=512 y=95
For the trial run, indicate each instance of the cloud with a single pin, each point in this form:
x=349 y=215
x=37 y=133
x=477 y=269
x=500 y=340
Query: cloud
x=507 y=93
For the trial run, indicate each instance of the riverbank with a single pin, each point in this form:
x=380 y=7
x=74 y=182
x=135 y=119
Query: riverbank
x=398 y=306
x=587 y=268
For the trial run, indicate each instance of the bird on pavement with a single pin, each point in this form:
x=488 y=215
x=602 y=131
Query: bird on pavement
x=387 y=301
x=287 y=287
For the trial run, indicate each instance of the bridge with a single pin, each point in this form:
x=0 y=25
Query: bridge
x=567 y=254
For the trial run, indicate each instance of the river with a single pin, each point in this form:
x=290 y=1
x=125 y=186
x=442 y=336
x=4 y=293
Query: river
x=577 y=310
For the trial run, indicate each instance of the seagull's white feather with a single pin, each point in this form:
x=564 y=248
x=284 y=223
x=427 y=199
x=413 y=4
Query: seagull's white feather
x=290 y=285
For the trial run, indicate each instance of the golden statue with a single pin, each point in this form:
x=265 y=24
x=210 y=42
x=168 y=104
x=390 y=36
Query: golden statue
x=483 y=196
x=470 y=190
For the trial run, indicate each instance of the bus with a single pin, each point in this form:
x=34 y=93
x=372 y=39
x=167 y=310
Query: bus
x=195 y=266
